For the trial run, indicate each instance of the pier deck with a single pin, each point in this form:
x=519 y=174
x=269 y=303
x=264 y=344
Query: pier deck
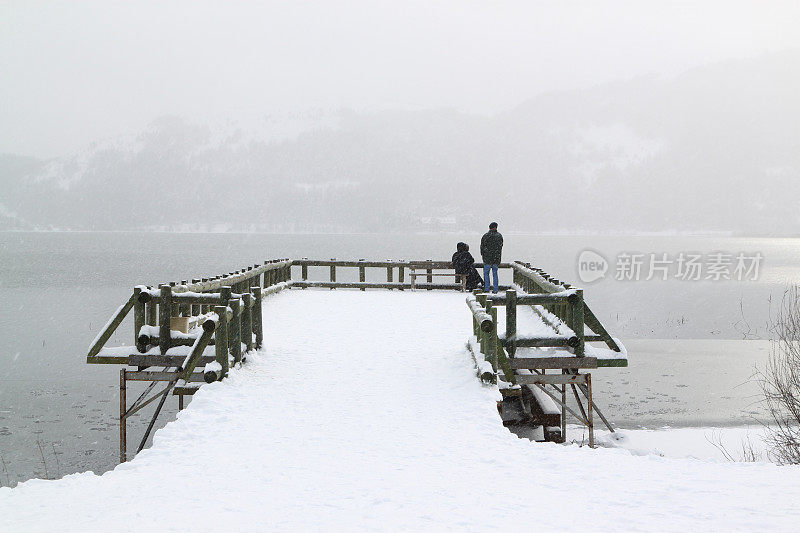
x=362 y=411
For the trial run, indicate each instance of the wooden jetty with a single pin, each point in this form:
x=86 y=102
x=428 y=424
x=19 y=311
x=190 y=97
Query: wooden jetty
x=189 y=333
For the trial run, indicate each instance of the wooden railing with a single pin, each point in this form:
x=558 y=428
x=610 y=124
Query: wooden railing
x=427 y=269
x=176 y=323
x=561 y=307
x=194 y=331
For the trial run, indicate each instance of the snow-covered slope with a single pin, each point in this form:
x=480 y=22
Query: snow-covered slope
x=363 y=412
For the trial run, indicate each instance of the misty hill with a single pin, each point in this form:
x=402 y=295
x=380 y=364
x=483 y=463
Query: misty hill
x=714 y=149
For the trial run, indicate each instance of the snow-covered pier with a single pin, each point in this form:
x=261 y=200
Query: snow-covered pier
x=211 y=324
x=370 y=417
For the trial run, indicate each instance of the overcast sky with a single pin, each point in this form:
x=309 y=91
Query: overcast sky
x=74 y=72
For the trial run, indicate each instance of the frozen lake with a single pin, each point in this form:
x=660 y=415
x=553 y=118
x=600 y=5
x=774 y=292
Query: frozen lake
x=59 y=288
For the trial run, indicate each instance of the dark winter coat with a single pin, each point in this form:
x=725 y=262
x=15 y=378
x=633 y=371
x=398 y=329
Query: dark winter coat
x=491 y=247
x=463 y=264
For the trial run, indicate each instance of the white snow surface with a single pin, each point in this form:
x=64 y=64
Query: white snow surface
x=363 y=412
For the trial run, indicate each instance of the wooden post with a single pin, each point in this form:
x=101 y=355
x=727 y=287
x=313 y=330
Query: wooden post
x=362 y=275
x=511 y=321
x=225 y=293
x=138 y=317
x=590 y=409
x=247 y=321
x=174 y=309
x=401 y=274
x=258 y=324
x=221 y=338
x=304 y=272
x=195 y=310
x=577 y=322
x=151 y=312
x=204 y=309
x=235 y=336
x=481 y=333
x=564 y=410
x=493 y=347
x=165 y=312
x=389 y=274
x=430 y=272
x=123 y=421
x=180 y=402
x=183 y=309
x=333 y=271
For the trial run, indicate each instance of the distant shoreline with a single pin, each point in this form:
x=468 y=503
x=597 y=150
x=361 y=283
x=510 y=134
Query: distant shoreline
x=722 y=234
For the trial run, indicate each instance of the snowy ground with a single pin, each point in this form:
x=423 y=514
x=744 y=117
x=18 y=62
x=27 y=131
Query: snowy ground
x=363 y=412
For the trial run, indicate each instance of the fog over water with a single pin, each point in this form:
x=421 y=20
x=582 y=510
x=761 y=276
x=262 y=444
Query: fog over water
x=380 y=116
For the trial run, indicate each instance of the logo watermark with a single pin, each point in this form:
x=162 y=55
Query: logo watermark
x=683 y=266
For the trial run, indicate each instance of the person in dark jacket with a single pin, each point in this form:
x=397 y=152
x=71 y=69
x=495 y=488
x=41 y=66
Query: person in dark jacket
x=491 y=250
x=463 y=264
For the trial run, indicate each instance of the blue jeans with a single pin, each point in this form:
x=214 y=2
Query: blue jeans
x=486 y=270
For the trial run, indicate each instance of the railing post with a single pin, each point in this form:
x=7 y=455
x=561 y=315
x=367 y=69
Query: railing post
x=304 y=271
x=123 y=421
x=362 y=274
x=590 y=408
x=225 y=294
x=389 y=275
x=493 y=340
x=401 y=274
x=138 y=315
x=430 y=272
x=183 y=309
x=577 y=322
x=482 y=338
x=151 y=312
x=564 y=409
x=258 y=325
x=164 y=315
x=511 y=322
x=235 y=336
x=196 y=309
x=221 y=339
x=247 y=321
x=333 y=272
x=204 y=308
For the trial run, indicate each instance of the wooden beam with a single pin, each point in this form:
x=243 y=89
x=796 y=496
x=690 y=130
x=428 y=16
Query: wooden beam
x=148 y=375
x=543 y=342
x=110 y=327
x=197 y=350
x=141 y=359
x=591 y=320
x=165 y=313
x=550 y=379
x=553 y=362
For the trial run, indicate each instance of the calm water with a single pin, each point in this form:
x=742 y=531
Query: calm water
x=58 y=289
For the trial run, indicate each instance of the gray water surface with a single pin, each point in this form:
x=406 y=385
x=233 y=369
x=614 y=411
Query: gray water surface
x=689 y=362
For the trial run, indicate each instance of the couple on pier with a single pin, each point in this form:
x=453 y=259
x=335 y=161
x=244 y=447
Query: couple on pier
x=491 y=249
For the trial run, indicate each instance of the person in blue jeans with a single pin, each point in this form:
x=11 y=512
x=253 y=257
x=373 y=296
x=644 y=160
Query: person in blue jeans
x=491 y=250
